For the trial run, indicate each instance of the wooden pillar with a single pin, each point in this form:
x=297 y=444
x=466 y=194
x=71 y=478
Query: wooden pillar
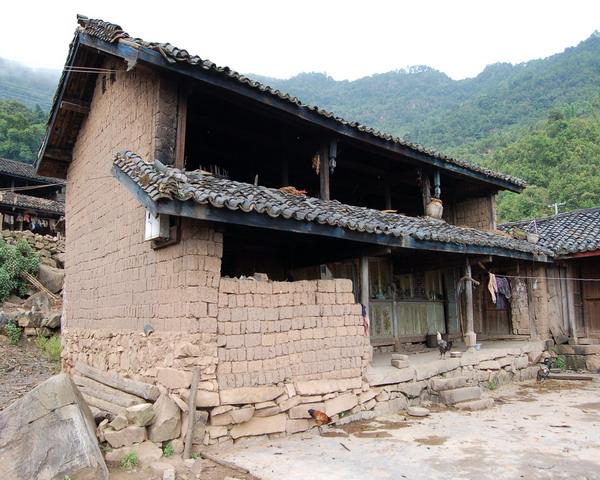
x=425 y=189
x=364 y=281
x=181 y=130
x=324 y=172
x=469 y=336
x=570 y=294
x=388 y=195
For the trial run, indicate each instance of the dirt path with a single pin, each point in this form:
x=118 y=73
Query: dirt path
x=22 y=367
x=547 y=431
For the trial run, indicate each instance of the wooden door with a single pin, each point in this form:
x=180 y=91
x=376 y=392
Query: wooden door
x=591 y=295
x=494 y=321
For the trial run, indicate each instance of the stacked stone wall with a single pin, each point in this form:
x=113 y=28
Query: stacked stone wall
x=44 y=245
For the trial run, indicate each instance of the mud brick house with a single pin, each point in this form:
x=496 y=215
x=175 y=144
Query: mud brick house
x=29 y=201
x=574 y=278
x=249 y=230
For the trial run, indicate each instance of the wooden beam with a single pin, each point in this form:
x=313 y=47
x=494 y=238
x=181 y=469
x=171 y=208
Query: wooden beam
x=324 y=172
x=58 y=155
x=182 y=102
x=76 y=106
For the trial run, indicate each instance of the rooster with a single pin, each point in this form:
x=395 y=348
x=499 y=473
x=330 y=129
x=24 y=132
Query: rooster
x=320 y=417
x=543 y=373
x=443 y=345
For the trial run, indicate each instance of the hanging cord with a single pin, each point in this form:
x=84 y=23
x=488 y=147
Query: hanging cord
x=31 y=187
x=552 y=278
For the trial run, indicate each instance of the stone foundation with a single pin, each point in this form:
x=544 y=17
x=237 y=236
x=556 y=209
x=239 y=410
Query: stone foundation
x=581 y=357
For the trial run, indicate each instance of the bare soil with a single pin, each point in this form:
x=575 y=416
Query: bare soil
x=22 y=367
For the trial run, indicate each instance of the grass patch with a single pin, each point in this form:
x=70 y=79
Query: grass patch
x=492 y=384
x=129 y=461
x=195 y=456
x=13 y=331
x=560 y=362
x=50 y=346
x=167 y=449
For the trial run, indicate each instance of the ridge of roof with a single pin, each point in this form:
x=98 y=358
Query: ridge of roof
x=160 y=182
x=112 y=33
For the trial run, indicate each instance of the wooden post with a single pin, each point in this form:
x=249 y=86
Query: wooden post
x=470 y=336
x=324 y=171
x=364 y=281
x=181 y=130
x=425 y=189
x=189 y=435
x=388 y=195
x=570 y=294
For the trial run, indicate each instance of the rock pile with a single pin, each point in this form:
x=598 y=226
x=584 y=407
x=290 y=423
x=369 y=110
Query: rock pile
x=50 y=249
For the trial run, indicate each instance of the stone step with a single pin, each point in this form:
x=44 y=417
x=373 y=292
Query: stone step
x=474 y=405
x=457 y=395
x=441 y=384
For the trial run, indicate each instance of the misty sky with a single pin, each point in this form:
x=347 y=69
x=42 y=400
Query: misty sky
x=346 y=39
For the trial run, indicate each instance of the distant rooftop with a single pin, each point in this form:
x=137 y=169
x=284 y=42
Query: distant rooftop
x=15 y=168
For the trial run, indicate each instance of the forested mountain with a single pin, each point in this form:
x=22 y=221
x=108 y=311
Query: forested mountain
x=27 y=85
x=539 y=120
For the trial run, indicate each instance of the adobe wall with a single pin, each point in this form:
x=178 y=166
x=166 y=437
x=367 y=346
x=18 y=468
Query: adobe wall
x=272 y=331
x=477 y=212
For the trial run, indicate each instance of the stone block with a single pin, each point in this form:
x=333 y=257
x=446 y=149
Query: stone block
x=119 y=422
x=295 y=426
x=267 y=412
x=475 y=405
x=489 y=365
x=167 y=420
x=399 y=356
x=301 y=411
x=52 y=414
x=521 y=362
x=173 y=378
x=147 y=453
x=140 y=415
x=440 y=384
x=412 y=389
x=457 y=395
x=216 y=431
x=340 y=404
x=245 y=395
x=417 y=411
x=125 y=437
x=400 y=363
x=260 y=426
x=592 y=363
x=285 y=405
x=366 y=396
x=388 y=375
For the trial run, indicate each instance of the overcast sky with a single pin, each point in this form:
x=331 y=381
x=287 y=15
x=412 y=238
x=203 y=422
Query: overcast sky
x=346 y=39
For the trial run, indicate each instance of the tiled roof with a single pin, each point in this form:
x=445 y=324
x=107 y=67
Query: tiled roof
x=565 y=233
x=109 y=32
x=161 y=182
x=24 y=170
x=12 y=199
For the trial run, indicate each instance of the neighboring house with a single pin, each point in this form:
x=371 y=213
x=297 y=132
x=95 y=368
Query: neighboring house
x=575 y=239
x=247 y=229
x=29 y=201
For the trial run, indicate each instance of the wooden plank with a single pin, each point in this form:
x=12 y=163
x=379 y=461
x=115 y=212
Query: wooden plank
x=324 y=172
x=101 y=391
x=140 y=389
x=189 y=435
x=103 y=404
x=181 y=130
x=568 y=376
x=75 y=106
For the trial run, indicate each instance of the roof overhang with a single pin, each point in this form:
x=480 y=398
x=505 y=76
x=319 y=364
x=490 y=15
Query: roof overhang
x=133 y=53
x=207 y=213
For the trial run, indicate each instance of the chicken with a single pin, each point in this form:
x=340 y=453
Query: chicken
x=320 y=417
x=443 y=345
x=543 y=373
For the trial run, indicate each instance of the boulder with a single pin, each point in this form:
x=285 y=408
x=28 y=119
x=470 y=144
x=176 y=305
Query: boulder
x=119 y=422
x=39 y=302
x=31 y=427
x=51 y=278
x=167 y=420
x=52 y=320
x=147 y=453
x=125 y=437
x=140 y=415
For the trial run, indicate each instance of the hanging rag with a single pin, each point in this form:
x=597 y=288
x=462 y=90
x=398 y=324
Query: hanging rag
x=365 y=319
x=493 y=287
x=503 y=295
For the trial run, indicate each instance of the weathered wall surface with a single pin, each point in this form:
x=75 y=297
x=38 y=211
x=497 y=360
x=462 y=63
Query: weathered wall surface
x=473 y=212
x=272 y=331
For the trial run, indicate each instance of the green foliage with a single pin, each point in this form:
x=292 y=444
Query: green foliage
x=561 y=362
x=129 y=461
x=14 y=261
x=21 y=130
x=51 y=347
x=493 y=383
x=195 y=456
x=167 y=449
x=13 y=332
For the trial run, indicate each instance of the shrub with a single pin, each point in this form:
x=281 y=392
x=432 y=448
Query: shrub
x=129 y=461
x=13 y=332
x=14 y=261
x=493 y=383
x=50 y=346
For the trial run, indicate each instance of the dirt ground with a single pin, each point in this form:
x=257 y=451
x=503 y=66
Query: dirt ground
x=536 y=431
x=22 y=367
